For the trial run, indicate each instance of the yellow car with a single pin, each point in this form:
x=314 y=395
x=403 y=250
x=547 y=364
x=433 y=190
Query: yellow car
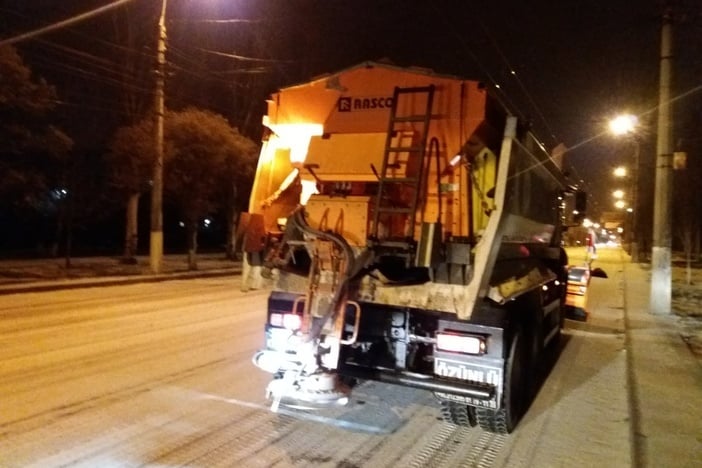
x=576 y=290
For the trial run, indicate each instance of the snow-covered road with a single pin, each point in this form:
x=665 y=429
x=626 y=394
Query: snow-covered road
x=159 y=374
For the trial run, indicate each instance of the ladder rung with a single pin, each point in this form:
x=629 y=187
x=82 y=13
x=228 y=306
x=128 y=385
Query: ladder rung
x=398 y=180
x=411 y=118
x=394 y=209
x=404 y=149
x=393 y=159
x=416 y=89
x=394 y=243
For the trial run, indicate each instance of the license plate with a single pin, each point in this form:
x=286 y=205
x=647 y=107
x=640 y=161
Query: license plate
x=469 y=372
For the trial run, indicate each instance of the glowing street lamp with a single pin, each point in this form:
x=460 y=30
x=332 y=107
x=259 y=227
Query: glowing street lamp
x=620 y=171
x=620 y=204
x=624 y=124
x=618 y=194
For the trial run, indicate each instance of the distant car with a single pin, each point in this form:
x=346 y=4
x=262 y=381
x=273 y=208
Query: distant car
x=577 y=290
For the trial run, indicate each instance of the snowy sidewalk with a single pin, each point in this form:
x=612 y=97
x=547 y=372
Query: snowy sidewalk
x=666 y=395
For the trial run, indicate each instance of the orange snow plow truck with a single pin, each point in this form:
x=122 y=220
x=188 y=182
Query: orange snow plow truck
x=410 y=231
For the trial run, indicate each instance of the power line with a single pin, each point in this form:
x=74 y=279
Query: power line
x=244 y=58
x=521 y=85
x=63 y=24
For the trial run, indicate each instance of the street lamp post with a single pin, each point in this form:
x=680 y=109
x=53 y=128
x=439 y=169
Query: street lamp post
x=156 y=240
x=661 y=268
x=634 y=203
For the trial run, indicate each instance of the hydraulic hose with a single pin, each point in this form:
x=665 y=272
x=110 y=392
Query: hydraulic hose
x=300 y=223
x=434 y=145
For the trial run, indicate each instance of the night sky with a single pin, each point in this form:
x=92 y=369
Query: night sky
x=567 y=66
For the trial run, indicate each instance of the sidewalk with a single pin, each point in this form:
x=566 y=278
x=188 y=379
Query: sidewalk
x=665 y=380
x=35 y=275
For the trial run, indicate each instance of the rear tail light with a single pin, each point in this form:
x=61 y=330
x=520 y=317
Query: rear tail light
x=287 y=321
x=457 y=343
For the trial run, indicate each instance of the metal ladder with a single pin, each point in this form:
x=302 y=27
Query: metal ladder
x=394 y=177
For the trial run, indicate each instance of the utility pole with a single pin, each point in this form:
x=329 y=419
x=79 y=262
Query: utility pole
x=635 y=234
x=661 y=272
x=156 y=240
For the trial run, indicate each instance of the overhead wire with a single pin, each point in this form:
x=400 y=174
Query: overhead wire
x=519 y=82
x=503 y=97
x=82 y=61
x=108 y=72
x=499 y=94
x=62 y=24
x=85 y=65
x=244 y=58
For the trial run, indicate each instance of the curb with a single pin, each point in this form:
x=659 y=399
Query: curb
x=44 y=286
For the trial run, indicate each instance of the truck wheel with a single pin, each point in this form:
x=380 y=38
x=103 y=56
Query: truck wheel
x=562 y=271
x=504 y=420
x=458 y=413
x=534 y=334
x=555 y=343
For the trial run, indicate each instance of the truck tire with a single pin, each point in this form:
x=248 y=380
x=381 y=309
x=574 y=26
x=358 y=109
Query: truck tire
x=514 y=397
x=561 y=269
x=533 y=333
x=458 y=413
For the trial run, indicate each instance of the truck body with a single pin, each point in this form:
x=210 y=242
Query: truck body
x=410 y=231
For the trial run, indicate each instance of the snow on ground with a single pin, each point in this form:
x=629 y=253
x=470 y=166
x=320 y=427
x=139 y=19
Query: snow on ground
x=686 y=303
x=686 y=294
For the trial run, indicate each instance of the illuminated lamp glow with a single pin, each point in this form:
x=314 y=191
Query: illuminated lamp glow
x=292 y=321
x=620 y=171
x=309 y=188
x=276 y=320
x=296 y=137
x=623 y=124
x=460 y=343
x=287 y=321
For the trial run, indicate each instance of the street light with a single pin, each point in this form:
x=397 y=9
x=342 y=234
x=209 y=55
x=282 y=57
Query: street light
x=627 y=125
x=156 y=240
x=624 y=124
x=619 y=171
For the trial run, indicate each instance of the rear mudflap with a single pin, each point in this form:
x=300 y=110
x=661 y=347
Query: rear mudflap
x=458 y=373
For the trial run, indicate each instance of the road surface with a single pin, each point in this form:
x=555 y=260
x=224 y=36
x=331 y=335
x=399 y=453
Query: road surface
x=160 y=375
